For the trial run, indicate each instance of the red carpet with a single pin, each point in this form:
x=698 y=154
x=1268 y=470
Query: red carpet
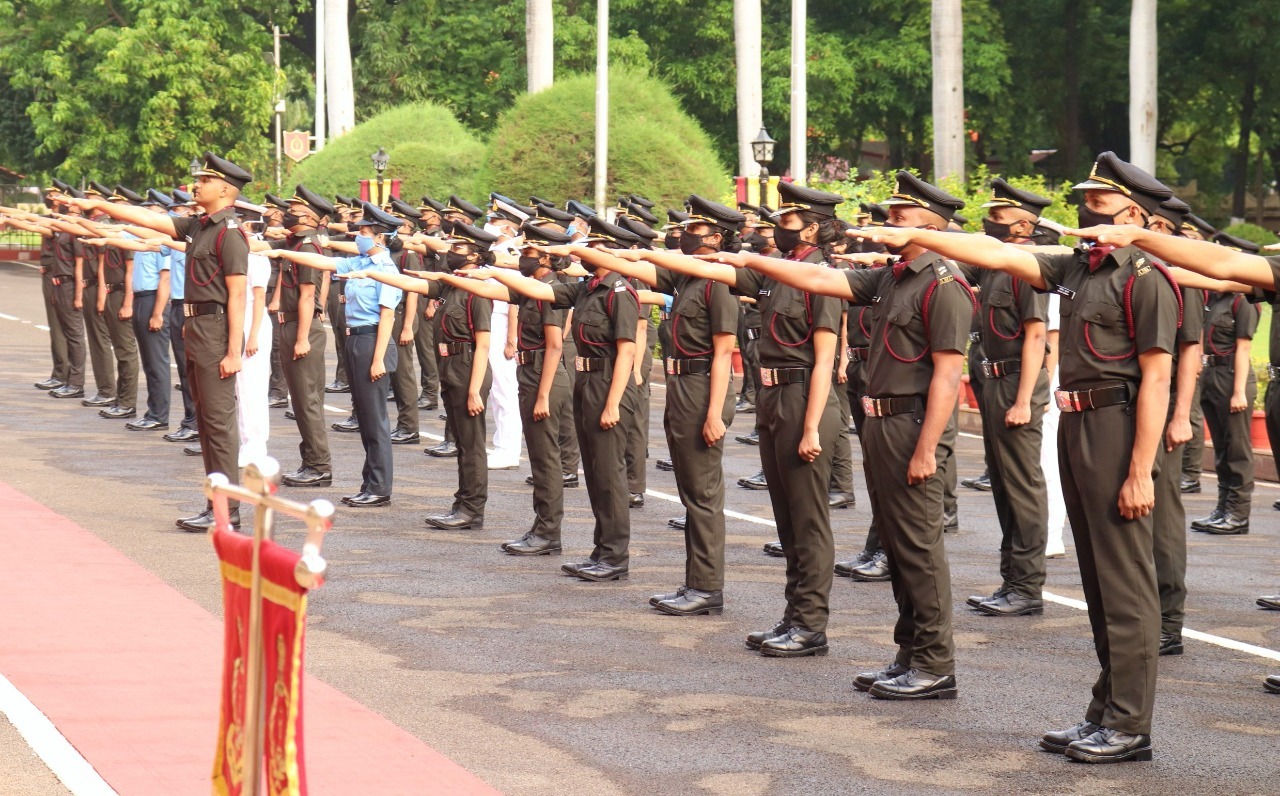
x=139 y=699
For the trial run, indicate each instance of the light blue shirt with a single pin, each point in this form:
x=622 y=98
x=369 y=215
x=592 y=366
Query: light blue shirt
x=367 y=297
x=146 y=269
x=177 y=272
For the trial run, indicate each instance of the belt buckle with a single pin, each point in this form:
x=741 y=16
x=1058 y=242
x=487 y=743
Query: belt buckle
x=988 y=370
x=768 y=377
x=579 y=364
x=1067 y=400
x=280 y=318
x=442 y=349
x=671 y=366
x=186 y=311
x=1205 y=360
x=869 y=406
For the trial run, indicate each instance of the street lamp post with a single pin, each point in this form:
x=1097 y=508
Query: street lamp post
x=762 y=151
x=380 y=160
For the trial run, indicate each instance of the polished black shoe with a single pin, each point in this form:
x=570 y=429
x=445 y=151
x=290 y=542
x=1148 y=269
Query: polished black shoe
x=1012 y=604
x=427 y=403
x=756 y=482
x=915 y=684
x=864 y=681
x=840 y=500
x=195 y=449
x=679 y=523
x=1057 y=741
x=349 y=426
x=570 y=480
x=404 y=437
x=445 y=450
x=146 y=424
x=366 y=500
x=289 y=415
x=635 y=501
x=1272 y=683
x=795 y=642
x=49 y=384
x=1276 y=505
x=982 y=483
x=278 y=402
x=874 y=571
x=1110 y=746
x=307 y=476
x=1189 y=486
x=845 y=568
x=531 y=545
x=337 y=386
x=754 y=640
x=1231 y=525
x=182 y=435
x=950 y=522
x=744 y=407
x=455 y=521
x=202 y=522
x=1170 y=643
x=657 y=598
x=599 y=572
x=99 y=401
x=774 y=549
x=665 y=465
x=977 y=599
x=749 y=439
x=693 y=603
x=67 y=391
x=1217 y=515
x=1269 y=601
x=118 y=412
x=573 y=566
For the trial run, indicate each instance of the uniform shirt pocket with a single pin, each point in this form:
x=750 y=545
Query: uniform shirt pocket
x=904 y=340
x=1106 y=332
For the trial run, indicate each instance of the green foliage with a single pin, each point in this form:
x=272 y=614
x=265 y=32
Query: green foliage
x=429 y=150
x=1253 y=232
x=545 y=144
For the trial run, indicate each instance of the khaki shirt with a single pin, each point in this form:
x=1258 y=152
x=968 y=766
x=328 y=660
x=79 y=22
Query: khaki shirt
x=216 y=248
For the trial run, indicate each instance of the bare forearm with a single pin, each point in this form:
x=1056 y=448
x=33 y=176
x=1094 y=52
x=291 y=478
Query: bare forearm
x=386 y=319
x=944 y=387
x=235 y=315
x=721 y=373
x=1243 y=364
x=809 y=277
x=523 y=285
x=1032 y=361
x=1188 y=371
x=479 y=362
x=1153 y=405
x=482 y=289
x=622 y=367
x=306 y=309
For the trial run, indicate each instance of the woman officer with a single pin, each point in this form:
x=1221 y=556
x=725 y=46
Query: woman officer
x=370 y=315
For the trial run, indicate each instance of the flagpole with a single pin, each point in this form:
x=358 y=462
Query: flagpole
x=602 y=102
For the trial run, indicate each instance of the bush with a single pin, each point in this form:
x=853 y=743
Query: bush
x=545 y=145
x=1252 y=232
x=429 y=150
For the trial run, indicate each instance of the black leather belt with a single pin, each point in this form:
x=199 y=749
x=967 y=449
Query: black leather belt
x=190 y=310
x=359 y=330
x=975 y=337
x=859 y=353
x=58 y=281
x=753 y=334
x=1097 y=398
x=1217 y=360
x=291 y=317
x=676 y=366
x=1273 y=372
x=530 y=357
x=115 y=287
x=592 y=364
x=1001 y=368
x=143 y=293
x=773 y=377
x=453 y=349
x=884 y=407
x=175 y=302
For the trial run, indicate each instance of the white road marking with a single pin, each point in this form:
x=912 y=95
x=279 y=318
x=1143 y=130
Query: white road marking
x=67 y=764
x=42 y=328
x=8 y=317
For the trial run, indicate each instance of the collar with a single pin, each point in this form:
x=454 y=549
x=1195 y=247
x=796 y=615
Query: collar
x=607 y=281
x=1097 y=255
x=220 y=216
x=915 y=266
x=802 y=251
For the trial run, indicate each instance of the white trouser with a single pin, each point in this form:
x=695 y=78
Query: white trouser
x=1052 y=479
x=252 y=383
x=504 y=398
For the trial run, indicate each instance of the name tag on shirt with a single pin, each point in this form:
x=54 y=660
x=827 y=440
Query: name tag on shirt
x=765 y=293
x=1063 y=290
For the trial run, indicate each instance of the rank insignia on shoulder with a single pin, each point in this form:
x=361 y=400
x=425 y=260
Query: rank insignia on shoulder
x=943 y=272
x=1143 y=270
x=231 y=224
x=620 y=288
x=1063 y=290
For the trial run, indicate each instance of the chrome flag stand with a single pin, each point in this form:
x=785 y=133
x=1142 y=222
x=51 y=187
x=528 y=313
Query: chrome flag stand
x=260 y=483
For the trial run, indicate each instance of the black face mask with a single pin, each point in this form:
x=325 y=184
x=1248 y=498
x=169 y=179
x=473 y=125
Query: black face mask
x=756 y=241
x=446 y=226
x=432 y=229
x=529 y=265
x=457 y=261
x=786 y=239
x=996 y=230
x=671 y=241
x=1089 y=218
x=1043 y=236
x=395 y=245
x=290 y=221
x=690 y=243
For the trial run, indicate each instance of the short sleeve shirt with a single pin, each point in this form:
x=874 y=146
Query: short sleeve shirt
x=700 y=310
x=1230 y=317
x=789 y=316
x=917 y=309
x=1094 y=317
x=64 y=255
x=461 y=314
x=535 y=315
x=366 y=298
x=293 y=275
x=216 y=249
x=1007 y=304
x=177 y=272
x=604 y=311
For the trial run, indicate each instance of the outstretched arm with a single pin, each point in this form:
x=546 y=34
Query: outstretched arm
x=134 y=215
x=979 y=250
x=317 y=261
x=809 y=277
x=1191 y=279
x=1200 y=256
x=523 y=285
x=411 y=284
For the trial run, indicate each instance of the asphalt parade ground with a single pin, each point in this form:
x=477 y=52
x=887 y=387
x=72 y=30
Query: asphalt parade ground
x=537 y=683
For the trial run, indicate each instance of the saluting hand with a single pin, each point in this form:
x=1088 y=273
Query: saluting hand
x=889 y=236
x=1109 y=235
x=725 y=258
x=1137 y=497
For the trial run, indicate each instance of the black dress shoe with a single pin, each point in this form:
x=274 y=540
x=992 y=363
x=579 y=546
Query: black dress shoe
x=1219 y=512
x=679 y=523
x=982 y=483
x=195 y=449
x=864 y=681
x=146 y=424
x=367 y=500
x=1272 y=683
x=840 y=500
x=1189 y=486
x=756 y=482
x=289 y=415
x=754 y=640
x=744 y=407
x=915 y=684
x=1058 y=740
x=182 y=435
x=307 y=476
x=337 y=386
x=1110 y=746
x=950 y=522
x=1276 y=505
x=349 y=498
x=427 y=403
x=874 y=571
x=1012 y=604
x=455 y=521
x=749 y=439
x=202 y=522
x=693 y=603
x=600 y=572
x=1232 y=525
x=796 y=642
x=1170 y=643
x=635 y=501
x=657 y=598
x=977 y=599
x=99 y=401
x=845 y=568
x=278 y=402
x=774 y=549
x=404 y=437
x=572 y=567
x=349 y=426
x=67 y=391
x=1269 y=601
x=532 y=545
x=665 y=465
x=118 y=412
x=49 y=384
x=445 y=450
x=570 y=480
